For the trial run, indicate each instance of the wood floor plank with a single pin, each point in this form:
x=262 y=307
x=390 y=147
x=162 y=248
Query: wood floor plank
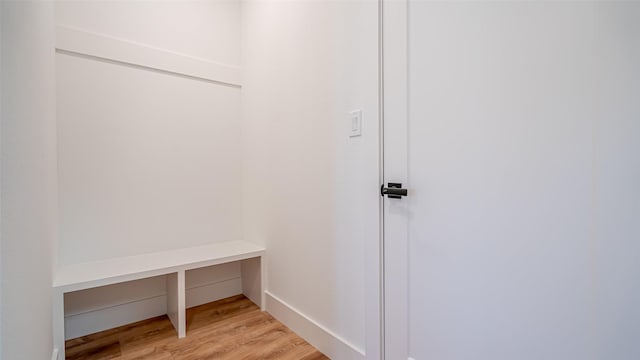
x=159 y=332
x=229 y=329
x=100 y=350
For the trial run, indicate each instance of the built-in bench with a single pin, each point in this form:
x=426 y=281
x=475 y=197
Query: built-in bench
x=172 y=263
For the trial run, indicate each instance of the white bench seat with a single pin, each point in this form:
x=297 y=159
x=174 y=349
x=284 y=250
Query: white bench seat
x=111 y=271
x=173 y=263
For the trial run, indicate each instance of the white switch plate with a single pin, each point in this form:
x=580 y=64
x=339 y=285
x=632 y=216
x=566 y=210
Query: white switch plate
x=355 y=123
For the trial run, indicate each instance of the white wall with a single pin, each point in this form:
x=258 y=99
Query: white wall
x=311 y=192
x=149 y=144
x=148 y=160
x=202 y=29
x=28 y=178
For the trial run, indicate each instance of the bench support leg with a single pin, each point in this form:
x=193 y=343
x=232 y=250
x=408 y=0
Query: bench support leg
x=58 y=322
x=253 y=280
x=176 y=309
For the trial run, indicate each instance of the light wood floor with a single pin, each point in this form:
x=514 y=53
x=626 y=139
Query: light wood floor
x=232 y=328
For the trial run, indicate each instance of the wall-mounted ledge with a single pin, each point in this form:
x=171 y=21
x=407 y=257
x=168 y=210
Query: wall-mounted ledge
x=127 y=52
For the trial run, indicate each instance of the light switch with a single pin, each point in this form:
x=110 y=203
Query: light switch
x=355 y=123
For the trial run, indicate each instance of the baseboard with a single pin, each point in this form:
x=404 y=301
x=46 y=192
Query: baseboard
x=317 y=335
x=54 y=354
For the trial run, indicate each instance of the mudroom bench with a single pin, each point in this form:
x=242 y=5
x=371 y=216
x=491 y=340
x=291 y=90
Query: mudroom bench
x=171 y=263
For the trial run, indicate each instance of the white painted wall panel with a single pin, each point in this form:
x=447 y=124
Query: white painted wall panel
x=147 y=161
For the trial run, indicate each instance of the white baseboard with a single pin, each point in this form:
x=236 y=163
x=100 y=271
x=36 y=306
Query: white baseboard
x=317 y=335
x=54 y=354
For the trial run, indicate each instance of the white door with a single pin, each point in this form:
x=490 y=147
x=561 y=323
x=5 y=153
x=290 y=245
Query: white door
x=515 y=128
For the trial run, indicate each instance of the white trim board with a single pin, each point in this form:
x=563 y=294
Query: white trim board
x=317 y=335
x=76 y=41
